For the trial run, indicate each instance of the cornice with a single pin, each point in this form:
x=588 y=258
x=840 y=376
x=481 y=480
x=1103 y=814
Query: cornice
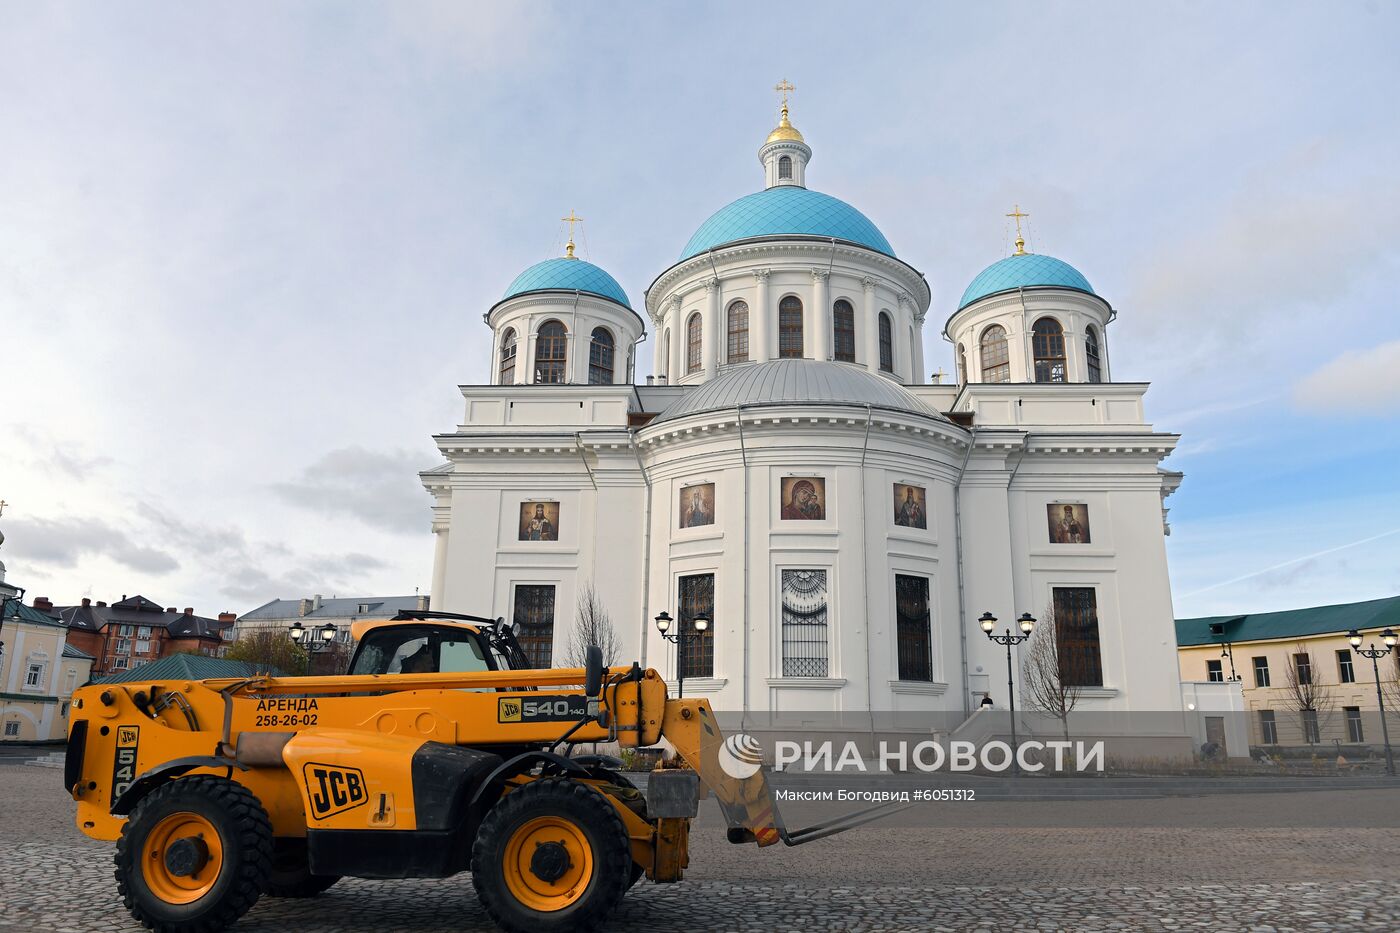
x=796 y=248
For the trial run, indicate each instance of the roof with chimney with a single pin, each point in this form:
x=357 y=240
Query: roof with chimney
x=14 y=609
x=138 y=610
x=346 y=607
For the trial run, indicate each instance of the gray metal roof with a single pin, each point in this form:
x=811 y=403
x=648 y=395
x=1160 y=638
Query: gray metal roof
x=342 y=608
x=69 y=651
x=797 y=382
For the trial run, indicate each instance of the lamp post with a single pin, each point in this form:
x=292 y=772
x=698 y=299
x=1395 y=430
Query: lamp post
x=989 y=624
x=663 y=625
x=1374 y=653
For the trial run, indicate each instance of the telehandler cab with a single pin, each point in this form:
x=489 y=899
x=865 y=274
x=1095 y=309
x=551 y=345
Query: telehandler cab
x=440 y=751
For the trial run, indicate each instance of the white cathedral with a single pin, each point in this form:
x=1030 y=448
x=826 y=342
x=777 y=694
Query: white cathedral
x=788 y=474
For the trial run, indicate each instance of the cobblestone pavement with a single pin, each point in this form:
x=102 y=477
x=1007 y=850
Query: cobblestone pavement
x=981 y=871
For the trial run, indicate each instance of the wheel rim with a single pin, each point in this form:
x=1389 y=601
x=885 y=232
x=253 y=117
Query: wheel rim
x=548 y=863
x=182 y=858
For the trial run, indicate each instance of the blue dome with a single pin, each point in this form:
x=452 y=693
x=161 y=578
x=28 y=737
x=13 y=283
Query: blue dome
x=1024 y=269
x=786 y=210
x=564 y=274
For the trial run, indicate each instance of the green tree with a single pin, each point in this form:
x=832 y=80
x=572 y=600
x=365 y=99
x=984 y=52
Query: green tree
x=267 y=649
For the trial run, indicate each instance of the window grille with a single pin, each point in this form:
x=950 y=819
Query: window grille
x=805 y=596
x=913 y=629
x=534 y=611
x=696 y=650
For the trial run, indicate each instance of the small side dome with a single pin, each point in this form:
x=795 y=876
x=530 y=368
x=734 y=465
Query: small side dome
x=1024 y=270
x=567 y=274
x=798 y=382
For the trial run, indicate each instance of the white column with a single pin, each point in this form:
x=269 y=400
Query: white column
x=870 y=326
x=819 y=343
x=439 y=568
x=709 y=330
x=677 y=341
x=762 y=320
x=658 y=345
x=524 y=350
x=920 y=373
x=904 y=347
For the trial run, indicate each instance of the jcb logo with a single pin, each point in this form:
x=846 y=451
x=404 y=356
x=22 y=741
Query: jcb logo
x=124 y=762
x=508 y=710
x=333 y=789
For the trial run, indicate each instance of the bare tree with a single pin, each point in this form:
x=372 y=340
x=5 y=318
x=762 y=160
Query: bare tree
x=1049 y=673
x=593 y=626
x=1306 y=693
x=268 y=650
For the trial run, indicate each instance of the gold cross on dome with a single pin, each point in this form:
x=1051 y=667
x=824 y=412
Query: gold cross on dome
x=784 y=88
x=571 y=220
x=1017 y=213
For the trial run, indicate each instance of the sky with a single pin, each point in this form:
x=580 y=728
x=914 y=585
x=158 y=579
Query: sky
x=245 y=250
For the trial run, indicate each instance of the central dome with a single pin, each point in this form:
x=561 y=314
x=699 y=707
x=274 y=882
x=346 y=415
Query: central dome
x=797 y=382
x=787 y=211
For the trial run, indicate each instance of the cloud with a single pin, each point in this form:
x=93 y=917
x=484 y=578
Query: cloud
x=379 y=489
x=1354 y=384
x=247 y=578
x=65 y=542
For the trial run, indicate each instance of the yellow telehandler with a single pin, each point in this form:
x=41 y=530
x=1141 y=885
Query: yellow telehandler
x=440 y=751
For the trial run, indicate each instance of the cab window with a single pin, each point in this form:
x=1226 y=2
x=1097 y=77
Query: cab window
x=414 y=650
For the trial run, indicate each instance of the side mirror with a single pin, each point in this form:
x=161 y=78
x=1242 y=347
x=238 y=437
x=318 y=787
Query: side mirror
x=593 y=671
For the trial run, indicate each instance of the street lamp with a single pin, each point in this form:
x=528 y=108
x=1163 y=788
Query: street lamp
x=1027 y=625
x=313 y=639
x=663 y=625
x=1374 y=653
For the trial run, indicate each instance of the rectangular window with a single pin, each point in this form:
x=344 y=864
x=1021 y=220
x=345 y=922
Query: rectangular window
x=12 y=727
x=1354 y=732
x=119 y=663
x=1345 y=672
x=143 y=647
x=804 y=596
x=695 y=652
x=1261 y=672
x=1215 y=672
x=34 y=676
x=124 y=630
x=1077 y=632
x=913 y=628
x=1302 y=664
x=123 y=646
x=1268 y=727
x=1311 y=734
x=143 y=632
x=534 y=613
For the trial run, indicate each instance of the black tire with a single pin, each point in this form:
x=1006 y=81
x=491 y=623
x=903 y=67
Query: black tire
x=592 y=816
x=244 y=839
x=291 y=875
x=621 y=780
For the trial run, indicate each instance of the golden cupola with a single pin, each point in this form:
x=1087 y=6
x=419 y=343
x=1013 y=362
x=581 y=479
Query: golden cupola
x=784 y=153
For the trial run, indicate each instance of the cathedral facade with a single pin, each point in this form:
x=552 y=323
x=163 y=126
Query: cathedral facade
x=788 y=474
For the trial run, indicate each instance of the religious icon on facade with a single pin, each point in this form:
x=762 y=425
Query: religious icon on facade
x=697 y=505
x=910 y=506
x=1069 y=523
x=804 y=498
x=539 y=521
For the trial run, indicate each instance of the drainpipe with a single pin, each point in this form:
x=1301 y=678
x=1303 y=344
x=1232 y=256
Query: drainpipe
x=583 y=457
x=646 y=552
x=865 y=566
x=962 y=593
x=744 y=457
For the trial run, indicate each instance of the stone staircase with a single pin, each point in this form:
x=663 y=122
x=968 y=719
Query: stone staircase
x=51 y=760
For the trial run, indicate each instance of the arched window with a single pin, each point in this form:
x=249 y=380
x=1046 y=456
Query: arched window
x=843 y=328
x=1091 y=353
x=886 y=343
x=551 y=354
x=600 y=358
x=736 y=327
x=790 y=327
x=693 y=355
x=508 y=349
x=962 y=364
x=785 y=167
x=996 y=359
x=1048 y=342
